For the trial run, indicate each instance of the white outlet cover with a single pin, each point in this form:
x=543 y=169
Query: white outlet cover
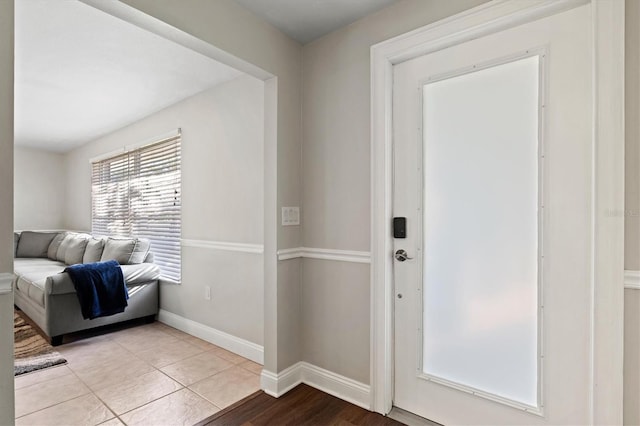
x=290 y=216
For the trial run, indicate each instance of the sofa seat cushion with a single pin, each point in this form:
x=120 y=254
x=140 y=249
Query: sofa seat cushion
x=22 y=266
x=32 y=277
x=32 y=285
x=36 y=291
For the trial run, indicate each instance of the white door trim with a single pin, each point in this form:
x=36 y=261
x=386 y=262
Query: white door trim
x=607 y=143
x=631 y=279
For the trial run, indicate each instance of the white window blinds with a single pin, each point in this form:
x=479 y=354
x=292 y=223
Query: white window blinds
x=138 y=194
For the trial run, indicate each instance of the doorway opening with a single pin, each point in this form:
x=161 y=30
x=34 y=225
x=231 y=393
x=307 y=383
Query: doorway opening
x=243 y=109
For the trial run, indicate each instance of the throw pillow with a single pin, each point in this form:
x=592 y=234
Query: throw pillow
x=34 y=244
x=55 y=244
x=125 y=251
x=75 y=250
x=62 y=248
x=93 y=252
x=140 y=251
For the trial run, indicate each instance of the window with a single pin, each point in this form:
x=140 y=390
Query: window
x=481 y=230
x=138 y=194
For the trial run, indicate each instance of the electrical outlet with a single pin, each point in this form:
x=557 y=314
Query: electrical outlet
x=207 y=292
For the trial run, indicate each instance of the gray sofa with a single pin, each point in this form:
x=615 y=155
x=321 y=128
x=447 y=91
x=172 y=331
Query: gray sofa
x=47 y=295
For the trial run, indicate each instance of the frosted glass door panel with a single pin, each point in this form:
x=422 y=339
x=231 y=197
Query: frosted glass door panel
x=480 y=265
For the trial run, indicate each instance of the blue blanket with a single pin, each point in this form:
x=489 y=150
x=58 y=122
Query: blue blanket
x=100 y=288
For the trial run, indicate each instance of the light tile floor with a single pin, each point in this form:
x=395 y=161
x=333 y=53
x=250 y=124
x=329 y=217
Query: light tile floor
x=150 y=374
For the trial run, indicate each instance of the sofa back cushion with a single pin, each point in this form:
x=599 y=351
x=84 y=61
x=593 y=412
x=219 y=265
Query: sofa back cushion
x=52 y=252
x=16 y=238
x=93 y=252
x=34 y=244
x=126 y=251
x=75 y=250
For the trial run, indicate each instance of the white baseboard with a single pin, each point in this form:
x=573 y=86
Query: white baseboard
x=277 y=385
x=340 y=386
x=242 y=347
x=334 y=384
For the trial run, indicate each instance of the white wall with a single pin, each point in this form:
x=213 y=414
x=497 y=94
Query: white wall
x=222 y=201
x=6 y=209
x=39 y=189
x=336 y=181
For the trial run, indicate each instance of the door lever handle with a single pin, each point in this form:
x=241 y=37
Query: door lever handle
x=401 y=255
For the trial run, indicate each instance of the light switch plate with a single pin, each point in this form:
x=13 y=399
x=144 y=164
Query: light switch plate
x=290 y=216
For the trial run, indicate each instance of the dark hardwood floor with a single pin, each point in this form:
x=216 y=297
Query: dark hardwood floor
x=303 y=405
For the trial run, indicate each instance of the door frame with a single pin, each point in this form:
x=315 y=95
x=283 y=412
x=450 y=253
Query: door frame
x=607 y=185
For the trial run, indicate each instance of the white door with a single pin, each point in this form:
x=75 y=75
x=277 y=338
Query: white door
x=492 y=168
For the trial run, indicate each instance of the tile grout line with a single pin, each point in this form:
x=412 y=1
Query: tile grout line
x=93 y=392
x=95 y=395
x=221 y=371
x=147 y=403
x=207 y=378
x=180 y=336
x=156 y=369
x=39 y=371
x=57 y=403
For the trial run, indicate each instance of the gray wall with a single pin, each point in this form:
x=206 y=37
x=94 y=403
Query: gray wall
x=336 y=191
x=336 y=181
x=631 y=357
x=39 y=189
x=222 y=201
x=335 y=161
x=632 y=216
x=228 y=26
x=632 y=130
x=336 y=187
x=6 y=209
x=6 y=360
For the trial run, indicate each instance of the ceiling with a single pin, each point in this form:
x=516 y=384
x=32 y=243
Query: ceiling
x=81 y=73
x=307 y=20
